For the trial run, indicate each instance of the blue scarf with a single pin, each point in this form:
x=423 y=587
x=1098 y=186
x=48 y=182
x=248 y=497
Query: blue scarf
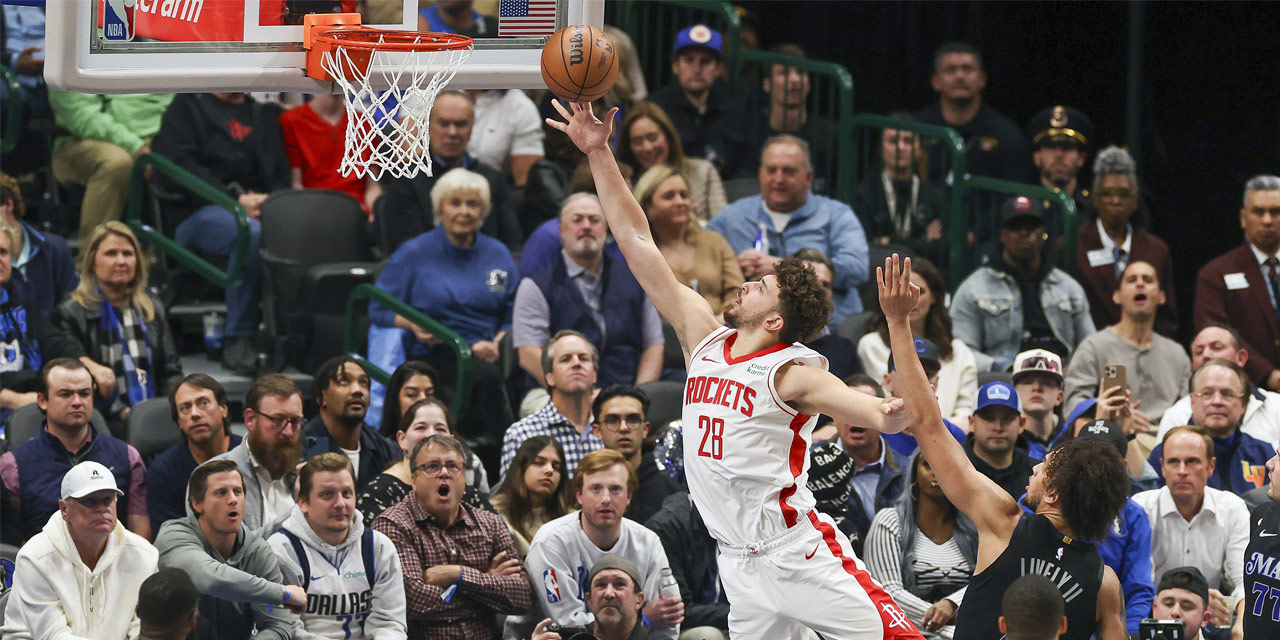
x=139 y=385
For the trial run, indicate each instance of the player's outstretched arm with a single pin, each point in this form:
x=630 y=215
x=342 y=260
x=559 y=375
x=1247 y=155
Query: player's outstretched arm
x=685 y=309
x=812 y=391
x=989 y=506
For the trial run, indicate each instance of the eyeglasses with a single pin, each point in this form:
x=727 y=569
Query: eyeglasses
x=434 y=467
x=615 y=422
x=278 y=422
x=1227 y=394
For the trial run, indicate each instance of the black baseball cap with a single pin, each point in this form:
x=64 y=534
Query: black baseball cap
x=928 y=353
x=1107 y=431
x=1023 y=210
x=1188 y=578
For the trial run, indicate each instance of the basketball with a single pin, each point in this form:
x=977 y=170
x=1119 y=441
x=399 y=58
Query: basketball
x=579 y=63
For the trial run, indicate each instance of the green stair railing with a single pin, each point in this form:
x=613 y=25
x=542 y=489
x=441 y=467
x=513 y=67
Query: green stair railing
x=353 y=345
x=156 y=238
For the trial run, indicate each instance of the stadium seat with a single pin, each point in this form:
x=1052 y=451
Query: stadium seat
x=315 y=250
x=854 y=327
x=666 y=401
x=739 y=188
x=150 y=428
x=25 y=422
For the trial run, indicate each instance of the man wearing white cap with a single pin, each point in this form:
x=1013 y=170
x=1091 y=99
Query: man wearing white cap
x=80 y=575
x=1037 y=375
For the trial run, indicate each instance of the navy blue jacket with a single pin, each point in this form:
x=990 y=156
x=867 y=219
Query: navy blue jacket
x=1241 y=466
x=167 y=482
x=42 y=461
x=376 y=452
x=51 y=273
x=621 y=304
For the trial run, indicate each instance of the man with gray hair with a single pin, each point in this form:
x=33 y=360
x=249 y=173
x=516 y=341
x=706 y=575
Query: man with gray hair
x=1241 y=288
x=569 y=366
x=787 y=216
x=592 y=293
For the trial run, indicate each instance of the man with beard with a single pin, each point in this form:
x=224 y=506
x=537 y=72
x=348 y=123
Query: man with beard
x=1060 y=138
x=614 y=597
x=242 y=592
x=593 y=293
x=1076 y=493
x=268 y=456
x=341 y=388
x=1241 y=288
x=1020 y=301
x=460 y=565
x=351 y=573
x=199 y=406
x=1158 y=368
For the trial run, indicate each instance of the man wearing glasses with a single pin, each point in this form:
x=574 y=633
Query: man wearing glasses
x=1218 y=391
x=621 y=421
x=269 y=456
x=460 y=565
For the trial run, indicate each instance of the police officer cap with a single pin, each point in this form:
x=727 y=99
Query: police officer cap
x=1061 y=124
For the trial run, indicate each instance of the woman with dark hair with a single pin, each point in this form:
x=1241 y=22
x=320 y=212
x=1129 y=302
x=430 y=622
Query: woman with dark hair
x=535 y=490
x=648 y=138
x=1117 y=236
x=958 y=378
x=898 y=205
x=426 y=417
x=923 y=551
x=701 y=259
x=412 y=381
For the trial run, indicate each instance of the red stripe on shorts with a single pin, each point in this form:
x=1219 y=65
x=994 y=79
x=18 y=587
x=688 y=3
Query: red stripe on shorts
x=896 y=624
x=795 y=458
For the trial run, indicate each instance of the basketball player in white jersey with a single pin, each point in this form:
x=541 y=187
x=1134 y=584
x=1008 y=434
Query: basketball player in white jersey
x=751 y=402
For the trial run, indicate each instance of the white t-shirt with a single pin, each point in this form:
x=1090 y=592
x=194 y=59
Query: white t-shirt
x=560 y=559
x=507 y=124
x=354 y=455
x=277 y=499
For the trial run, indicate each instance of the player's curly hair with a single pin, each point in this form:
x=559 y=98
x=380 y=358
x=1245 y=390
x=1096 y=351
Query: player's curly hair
x=1092 y=484
x=802 y=302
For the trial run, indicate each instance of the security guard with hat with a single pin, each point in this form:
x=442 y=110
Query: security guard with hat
x=1060 y=140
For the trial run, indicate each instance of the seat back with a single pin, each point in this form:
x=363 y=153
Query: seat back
x=666 y=401
x=150 y=428
x=25 y=422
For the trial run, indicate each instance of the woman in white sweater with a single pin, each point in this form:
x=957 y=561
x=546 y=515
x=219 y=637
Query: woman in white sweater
x=958 y=378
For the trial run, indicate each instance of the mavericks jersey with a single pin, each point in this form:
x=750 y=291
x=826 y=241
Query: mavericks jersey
x=746 y=452
x=1262 y=573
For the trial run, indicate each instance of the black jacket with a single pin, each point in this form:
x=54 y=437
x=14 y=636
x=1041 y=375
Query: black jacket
x=691 y=552
x=376 y=452
x=234 y=147
x=27 y=341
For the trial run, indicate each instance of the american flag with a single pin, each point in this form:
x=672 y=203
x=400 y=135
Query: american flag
x=526 y=17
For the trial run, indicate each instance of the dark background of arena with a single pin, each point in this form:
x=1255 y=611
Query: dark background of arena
x=1210 y=108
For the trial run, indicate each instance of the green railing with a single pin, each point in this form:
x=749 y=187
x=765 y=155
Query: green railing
x=352 y=343
x=972 y=185
x=949 y=144
x=653 y=25
x=156 y=238
x=829 y=104
x=12 y=118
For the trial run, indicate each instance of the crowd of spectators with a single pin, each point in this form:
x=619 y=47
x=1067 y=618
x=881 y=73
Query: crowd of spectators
x=552 y=497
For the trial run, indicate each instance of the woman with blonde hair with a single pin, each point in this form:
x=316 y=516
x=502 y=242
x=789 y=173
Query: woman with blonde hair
x=701 y=259
x=648 y=138
x=119 y=324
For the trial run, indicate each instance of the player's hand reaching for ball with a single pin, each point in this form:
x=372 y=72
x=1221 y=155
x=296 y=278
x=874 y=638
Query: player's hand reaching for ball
x=898 y=297
x=586 y=131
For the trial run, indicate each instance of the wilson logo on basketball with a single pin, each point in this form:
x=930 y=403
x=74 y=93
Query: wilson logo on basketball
x=575 y=50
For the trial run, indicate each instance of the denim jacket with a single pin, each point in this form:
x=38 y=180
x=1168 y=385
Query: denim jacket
x=986 y=314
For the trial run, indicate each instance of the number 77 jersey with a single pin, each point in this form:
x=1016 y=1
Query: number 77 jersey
x=746 y=452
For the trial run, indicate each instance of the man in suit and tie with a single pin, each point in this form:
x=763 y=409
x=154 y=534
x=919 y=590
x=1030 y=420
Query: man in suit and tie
x=1241 y=288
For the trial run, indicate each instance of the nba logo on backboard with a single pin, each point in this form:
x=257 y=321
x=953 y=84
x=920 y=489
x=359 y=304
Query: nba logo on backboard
x=117 y=20
x=552 y=584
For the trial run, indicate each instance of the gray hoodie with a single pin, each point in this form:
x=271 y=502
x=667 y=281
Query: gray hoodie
x=237 y=593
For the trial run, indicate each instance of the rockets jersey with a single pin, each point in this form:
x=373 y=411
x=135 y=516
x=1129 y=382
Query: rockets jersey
x=746 y=452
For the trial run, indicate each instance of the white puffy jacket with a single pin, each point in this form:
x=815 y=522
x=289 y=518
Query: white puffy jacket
x=57 y=597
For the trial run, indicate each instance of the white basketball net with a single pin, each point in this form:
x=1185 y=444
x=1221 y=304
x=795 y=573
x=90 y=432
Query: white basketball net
x=388 y=107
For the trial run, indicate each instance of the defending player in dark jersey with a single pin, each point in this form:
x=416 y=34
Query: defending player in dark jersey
x=1077 y=492
x=1259 y=612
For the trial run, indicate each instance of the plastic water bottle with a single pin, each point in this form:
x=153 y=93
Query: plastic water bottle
x=213 y=337
x=667 y=586
x=762 y=239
